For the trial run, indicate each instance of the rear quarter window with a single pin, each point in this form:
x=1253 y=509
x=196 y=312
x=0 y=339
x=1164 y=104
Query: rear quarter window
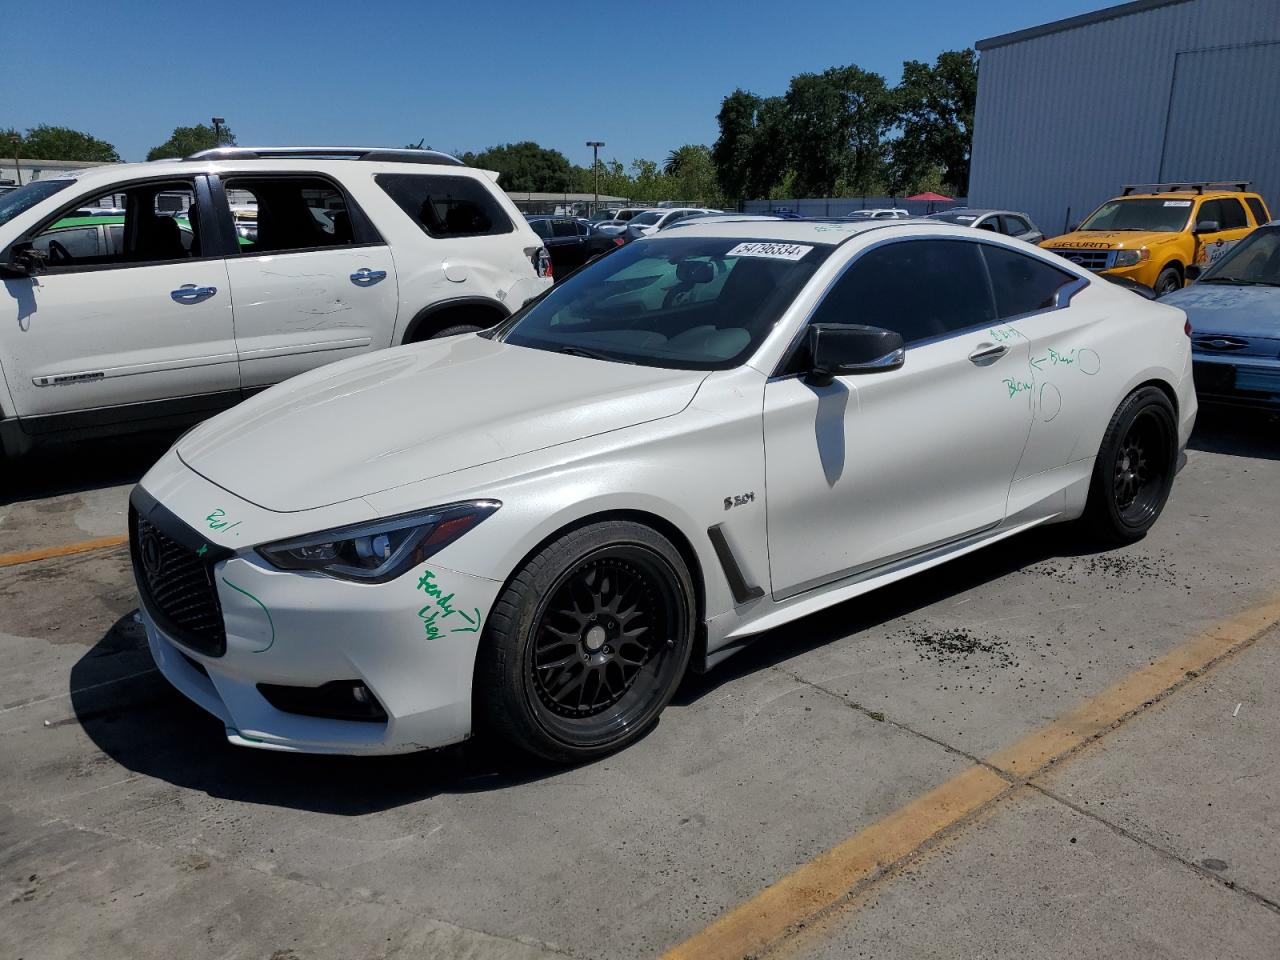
x=444 y=206
x=1257 y=209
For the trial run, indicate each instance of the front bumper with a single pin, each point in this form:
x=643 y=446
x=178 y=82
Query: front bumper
x=1238 y=380
x=411 y=642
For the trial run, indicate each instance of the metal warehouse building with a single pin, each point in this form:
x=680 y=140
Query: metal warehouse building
x=1151 y=91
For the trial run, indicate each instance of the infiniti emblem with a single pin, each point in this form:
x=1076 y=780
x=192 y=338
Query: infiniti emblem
x=149 y=552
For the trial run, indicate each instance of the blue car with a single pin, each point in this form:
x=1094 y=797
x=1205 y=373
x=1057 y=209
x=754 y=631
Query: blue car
x=1234 y=309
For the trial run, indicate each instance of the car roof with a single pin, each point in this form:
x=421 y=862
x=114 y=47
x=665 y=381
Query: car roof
x=832 y=231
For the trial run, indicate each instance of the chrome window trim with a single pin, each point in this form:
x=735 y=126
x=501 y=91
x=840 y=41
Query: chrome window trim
x=1062 y=298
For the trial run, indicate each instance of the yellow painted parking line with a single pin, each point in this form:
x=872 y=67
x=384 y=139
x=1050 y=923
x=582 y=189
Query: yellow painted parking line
x=66 y=550
x=787 y=905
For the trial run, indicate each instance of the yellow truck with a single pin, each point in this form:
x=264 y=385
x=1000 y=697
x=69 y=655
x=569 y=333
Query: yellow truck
x=1153 y=232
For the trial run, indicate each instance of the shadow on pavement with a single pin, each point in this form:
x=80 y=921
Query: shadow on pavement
x=135 y=717
x=1237 y=432
x=89 y=465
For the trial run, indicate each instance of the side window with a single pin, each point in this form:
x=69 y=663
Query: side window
x=1233 y=217
x=564 y=228
x=541 y=227
x=1015 y=225
x=920 y=288
x=445 y=206
x=293 y=213
x=1022 y=284
x=991 y=223
x=1210 y=210
x=154 y=225
x=1258 y=210
x=583 y=229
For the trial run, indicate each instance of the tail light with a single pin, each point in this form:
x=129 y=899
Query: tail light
x=542 y=262
x=618 y=241
x=1186 y=327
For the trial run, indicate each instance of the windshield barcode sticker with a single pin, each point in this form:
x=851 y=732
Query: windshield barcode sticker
x=774 y=251
x=1177 y=203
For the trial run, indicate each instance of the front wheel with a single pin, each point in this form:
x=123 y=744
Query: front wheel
x=586 y=643
x=455 y=330
x=1134 y=470
x=1168 y=281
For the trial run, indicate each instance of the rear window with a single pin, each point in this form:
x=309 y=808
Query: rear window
x=446 y=206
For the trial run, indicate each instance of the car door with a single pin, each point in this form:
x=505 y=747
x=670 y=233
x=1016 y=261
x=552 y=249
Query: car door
x=127 y=328
x=1233 y=225
x=315 y=285
x=876 y=467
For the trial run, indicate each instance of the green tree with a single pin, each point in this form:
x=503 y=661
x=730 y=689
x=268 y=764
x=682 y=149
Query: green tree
x=836 y=124
x=185 y=141
x=693 y=176
x=526 y=166
x=732 y=151
x=935 y=113
x=45 y=142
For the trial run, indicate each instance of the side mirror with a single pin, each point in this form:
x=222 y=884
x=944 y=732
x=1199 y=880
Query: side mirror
x=842 y=349
x=24 y=260
x=1208 y=226
x=1192 y=272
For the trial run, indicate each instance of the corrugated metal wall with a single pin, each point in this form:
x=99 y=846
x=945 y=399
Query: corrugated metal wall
x=1186 y=90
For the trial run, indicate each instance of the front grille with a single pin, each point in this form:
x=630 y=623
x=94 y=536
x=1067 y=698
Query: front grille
x=1089 y=259
x=176 y=583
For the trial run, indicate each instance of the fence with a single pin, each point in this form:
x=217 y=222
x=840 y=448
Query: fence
x=843 y=206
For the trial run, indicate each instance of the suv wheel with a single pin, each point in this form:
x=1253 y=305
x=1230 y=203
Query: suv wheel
x=1168 y=281
x=587 y=643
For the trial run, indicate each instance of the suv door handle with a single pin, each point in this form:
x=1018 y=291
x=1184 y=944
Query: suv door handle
x=190 y=293
x=985 y=354
x=364 y=277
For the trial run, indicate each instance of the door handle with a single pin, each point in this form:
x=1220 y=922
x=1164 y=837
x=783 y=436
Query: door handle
x=364 y=277
x=985 y=354
x=190 y=293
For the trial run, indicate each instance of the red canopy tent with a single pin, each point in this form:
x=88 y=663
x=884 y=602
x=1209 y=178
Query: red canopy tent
x=930 y=196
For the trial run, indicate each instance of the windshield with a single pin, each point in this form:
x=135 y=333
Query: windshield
x=644 y=219
x=26 y=197
x=954 y=216
x=690 y=303
x=1255 y=259
x=1153 y=215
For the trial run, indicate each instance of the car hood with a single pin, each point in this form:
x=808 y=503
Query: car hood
x=1228 y=309
x=413 y=413
x=1106 y=240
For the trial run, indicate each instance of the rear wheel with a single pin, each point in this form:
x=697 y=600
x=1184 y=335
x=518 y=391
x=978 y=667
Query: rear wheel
x=1134 y=470
x=1168 y=281
x=587 y=643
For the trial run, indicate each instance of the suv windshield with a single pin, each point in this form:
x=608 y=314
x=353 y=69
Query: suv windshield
x=1254 y=260
x=690 y=303
x=1153 y=215
x=26 y=197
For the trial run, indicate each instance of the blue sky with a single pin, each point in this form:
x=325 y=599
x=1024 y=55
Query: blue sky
x=643 y=76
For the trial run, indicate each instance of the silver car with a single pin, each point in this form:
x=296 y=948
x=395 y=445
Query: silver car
x=1011 y=223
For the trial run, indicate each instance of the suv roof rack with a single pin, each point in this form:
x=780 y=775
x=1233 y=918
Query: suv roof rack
x=329 y=153
x=1182 y=186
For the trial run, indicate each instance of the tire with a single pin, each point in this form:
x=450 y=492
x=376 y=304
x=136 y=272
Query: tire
x=586 y=643
x=1168 y=281
x=1134 y=470
x=456 y=329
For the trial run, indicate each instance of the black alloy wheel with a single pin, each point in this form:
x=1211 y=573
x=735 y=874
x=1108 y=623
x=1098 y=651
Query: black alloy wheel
x=587 y=643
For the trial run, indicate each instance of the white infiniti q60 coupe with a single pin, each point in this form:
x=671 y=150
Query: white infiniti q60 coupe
x=536 y=530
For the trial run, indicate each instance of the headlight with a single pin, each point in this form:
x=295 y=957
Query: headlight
x=380 y=550
x=1130 y=258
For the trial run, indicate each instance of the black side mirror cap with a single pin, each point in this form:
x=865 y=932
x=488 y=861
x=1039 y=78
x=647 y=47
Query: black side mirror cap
x=24 y=260
x=1208 y=226
x=1192 y=272
x=845 y=349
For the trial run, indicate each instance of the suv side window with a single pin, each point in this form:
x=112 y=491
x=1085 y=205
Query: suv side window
x=445 y=206
x=1022 y=284
x=1259 y=211
x=294 y=213
x=1233 y=217
x=1210 y=210
x=158 y=225
x=920 y=288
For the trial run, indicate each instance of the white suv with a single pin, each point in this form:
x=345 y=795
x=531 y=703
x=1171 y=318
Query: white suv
x=171 y=316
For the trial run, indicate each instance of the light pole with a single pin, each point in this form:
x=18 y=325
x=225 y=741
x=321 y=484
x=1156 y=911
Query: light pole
x=595 y=146
x=217 y=130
